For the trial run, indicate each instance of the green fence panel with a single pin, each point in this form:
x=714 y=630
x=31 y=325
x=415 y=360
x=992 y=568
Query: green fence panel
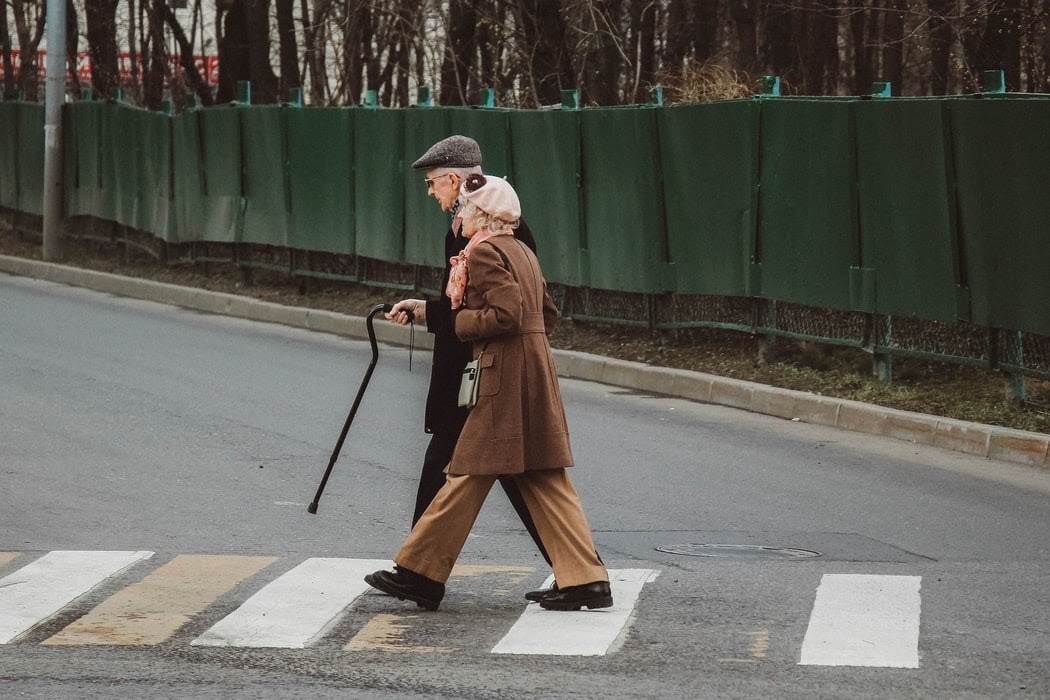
x=625 y=232
x=188 y=176
x=69 y=158
x=109 y=139
x=266 y=195
x=905 y=209
x=491 y=129
x=83 y=138
x=157 y=210
x=122 y=146
x=425 y=224
x=545 y=149
x=30 y=157
x=708 y=160
x=379 y=183
x=9 y=163
x=320 y=154
x=807 y=237
x=1002 y=157
x=213 y=208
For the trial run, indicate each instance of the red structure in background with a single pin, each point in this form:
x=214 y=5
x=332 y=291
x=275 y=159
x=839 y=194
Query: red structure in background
x=207 y=66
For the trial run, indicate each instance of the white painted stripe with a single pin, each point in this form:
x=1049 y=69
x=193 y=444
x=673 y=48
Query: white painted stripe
x=861 y=620
x=580 y=633
x=297 y=608
x=41 y=588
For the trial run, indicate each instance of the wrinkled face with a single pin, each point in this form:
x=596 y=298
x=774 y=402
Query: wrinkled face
x=444 y=188
x=468 y=223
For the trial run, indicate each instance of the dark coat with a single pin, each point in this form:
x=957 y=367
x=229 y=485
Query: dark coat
x=519 y=422
x=450 y=353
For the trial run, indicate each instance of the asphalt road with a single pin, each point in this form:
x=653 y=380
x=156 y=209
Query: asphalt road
x=128 y=425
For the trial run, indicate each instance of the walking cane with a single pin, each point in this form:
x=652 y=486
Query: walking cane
x=312 y=508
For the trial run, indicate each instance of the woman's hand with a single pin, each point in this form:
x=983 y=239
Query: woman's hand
x=400 y=313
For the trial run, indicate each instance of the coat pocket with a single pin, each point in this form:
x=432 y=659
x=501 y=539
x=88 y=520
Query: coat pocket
x=490 y=372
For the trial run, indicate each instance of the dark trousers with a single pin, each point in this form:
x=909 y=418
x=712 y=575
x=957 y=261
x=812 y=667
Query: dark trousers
x=432 y=478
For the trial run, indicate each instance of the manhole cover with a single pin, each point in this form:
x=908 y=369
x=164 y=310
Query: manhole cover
x=738 y=551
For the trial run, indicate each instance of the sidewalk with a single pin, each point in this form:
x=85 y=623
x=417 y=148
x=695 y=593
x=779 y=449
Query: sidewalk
x=1016 y=446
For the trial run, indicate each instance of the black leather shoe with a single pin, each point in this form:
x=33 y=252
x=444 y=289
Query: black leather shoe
x=588 y=595
x=408 y=585
x=536 y=595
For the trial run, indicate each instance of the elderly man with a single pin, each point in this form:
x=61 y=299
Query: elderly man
x=445 y=166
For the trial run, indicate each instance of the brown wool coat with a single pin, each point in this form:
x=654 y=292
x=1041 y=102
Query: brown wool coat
x=518 y=423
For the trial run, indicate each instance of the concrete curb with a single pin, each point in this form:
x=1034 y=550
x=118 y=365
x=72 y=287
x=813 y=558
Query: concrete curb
x=1004 y=444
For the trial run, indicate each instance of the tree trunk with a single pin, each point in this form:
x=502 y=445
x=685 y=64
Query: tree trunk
x=189 y=67
x=548 y=61
x=893 y=44
x=133 y=53
x=102 y=45
x=244 y=50
x=940 y=45
x=599 y=54
x=8 y=91
x=862 y=54
x=643 y=48
x=156 y=69
x=72 y=42
x=28 y=48
x=819 y=58
x=315 y=34
x=289 y=51
x=231 y=32
x=744 y=18
x=261 y=75
x=397 y=41
x=1001 y=46
x=780 y=44
x=459 y=53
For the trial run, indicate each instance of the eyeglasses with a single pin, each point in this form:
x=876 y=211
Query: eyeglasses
x=430 y=180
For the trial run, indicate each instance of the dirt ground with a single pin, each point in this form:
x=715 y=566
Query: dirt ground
x=955 y=391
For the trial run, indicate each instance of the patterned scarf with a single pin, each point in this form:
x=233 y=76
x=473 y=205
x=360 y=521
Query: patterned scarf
x=457 y=279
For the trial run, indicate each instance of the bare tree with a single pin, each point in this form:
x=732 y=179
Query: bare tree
x=244 y=49
x=459 y=52
x=102 y=45
x=5 y=55
x=314 y=50
x=29 y=18
x=530 y=50
x=893 y=44
x=546 y=59
x=189 y=68
x=289 y=51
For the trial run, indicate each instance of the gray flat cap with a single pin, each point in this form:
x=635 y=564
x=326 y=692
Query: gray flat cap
x=453 y=152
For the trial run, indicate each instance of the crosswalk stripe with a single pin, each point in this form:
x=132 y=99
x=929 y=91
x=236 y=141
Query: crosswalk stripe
x=150 y=611
x=385 y=632
x=40 y=589
x=863 y=620
x=581 y=633
x=297 y=607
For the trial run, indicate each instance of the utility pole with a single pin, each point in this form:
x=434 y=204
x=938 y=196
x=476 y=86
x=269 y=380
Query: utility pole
x=54 y=96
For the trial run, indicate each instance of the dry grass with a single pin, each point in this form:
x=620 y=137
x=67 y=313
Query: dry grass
x=955 y=391
x=710 y=81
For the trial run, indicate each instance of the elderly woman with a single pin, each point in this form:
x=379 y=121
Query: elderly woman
x=517 y=427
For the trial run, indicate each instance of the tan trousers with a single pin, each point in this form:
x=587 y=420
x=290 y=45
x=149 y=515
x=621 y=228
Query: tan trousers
x=437 y=538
